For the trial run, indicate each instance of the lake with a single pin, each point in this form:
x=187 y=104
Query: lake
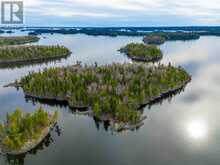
x=182 y=130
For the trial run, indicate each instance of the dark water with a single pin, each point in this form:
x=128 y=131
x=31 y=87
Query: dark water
x=184 y=130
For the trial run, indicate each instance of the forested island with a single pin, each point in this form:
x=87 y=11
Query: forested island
x=31 y=53
x=142 y=52
x=154 y=39
x=17 y=40
x=22 y=132
x=114 y=91
x=158 y=38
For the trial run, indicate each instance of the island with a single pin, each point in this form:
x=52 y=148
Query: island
x=142 y=52
x=114 y=92
x=160 y=37
x=154 y=39
x=31 y=53
x=22 y=132
x=17 y=40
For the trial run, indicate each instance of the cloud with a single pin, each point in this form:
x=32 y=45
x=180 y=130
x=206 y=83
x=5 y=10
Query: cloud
x=130 y=12
x=77 y=13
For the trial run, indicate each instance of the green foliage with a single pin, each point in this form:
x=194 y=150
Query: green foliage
x=138 y=51
x=160 y=37
x=154 y=39
x=28 y=53
x=20 y=128
x=117 y=89
x=17 y=40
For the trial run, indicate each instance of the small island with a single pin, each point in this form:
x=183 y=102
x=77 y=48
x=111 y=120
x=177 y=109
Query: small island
x=23 y=132
x=31 y=53
x=17 y=40
x=114 y=92
x=142 y=52
x=159 y=38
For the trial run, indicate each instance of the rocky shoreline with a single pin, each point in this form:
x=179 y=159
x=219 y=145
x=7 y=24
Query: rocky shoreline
x=169 y=92
x=116 y=126
x=144 y=59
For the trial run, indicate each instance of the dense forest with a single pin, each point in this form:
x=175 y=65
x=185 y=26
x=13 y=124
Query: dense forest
x=160 y=37
x=172 y=36
x=142 y=52
x=13 y=54
x=22 y=128
x=127 y=31
x=154 y=39
x=115 y=90
x=87 y=31
x=17 y=40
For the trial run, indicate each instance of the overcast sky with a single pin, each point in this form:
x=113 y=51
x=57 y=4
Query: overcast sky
x=122 y=12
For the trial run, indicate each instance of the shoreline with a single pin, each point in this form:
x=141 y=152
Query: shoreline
x=30 y=144
x=171 y=91
x=142 y=59
x=33 y=60
x=122 y=126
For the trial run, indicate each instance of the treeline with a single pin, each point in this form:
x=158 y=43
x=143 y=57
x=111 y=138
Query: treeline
x=17 y=40
x=87 y=31
x=160 y=37
x=13 y=54
x=154 y=39
x=142 y=52
x=21 y=128
x=176 y=34
x=115 y=90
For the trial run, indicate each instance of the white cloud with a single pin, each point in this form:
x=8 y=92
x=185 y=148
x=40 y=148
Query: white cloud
x=78 y=13
x=198 y=11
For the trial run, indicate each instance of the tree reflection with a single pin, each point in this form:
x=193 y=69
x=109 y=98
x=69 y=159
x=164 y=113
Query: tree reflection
x=164 y=97
x=105 y=122
x=98 y=122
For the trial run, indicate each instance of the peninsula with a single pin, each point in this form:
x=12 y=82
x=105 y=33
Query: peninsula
x=17 y=40
x=31 y=53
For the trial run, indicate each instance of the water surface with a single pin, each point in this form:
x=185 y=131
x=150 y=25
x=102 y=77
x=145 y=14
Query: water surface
x=184 y=130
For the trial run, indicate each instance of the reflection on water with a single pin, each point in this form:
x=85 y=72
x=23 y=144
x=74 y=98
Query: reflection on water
x=164 y=97
x=185 y=131
x=50 y=102
x=98 y=122
x=105 y=120
x=197 y=129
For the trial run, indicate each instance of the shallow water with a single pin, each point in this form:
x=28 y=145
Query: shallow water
x=184 y=130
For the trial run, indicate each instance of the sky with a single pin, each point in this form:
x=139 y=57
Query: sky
x=121 y=12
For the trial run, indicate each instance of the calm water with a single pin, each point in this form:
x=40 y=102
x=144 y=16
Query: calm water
x=185 y=130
